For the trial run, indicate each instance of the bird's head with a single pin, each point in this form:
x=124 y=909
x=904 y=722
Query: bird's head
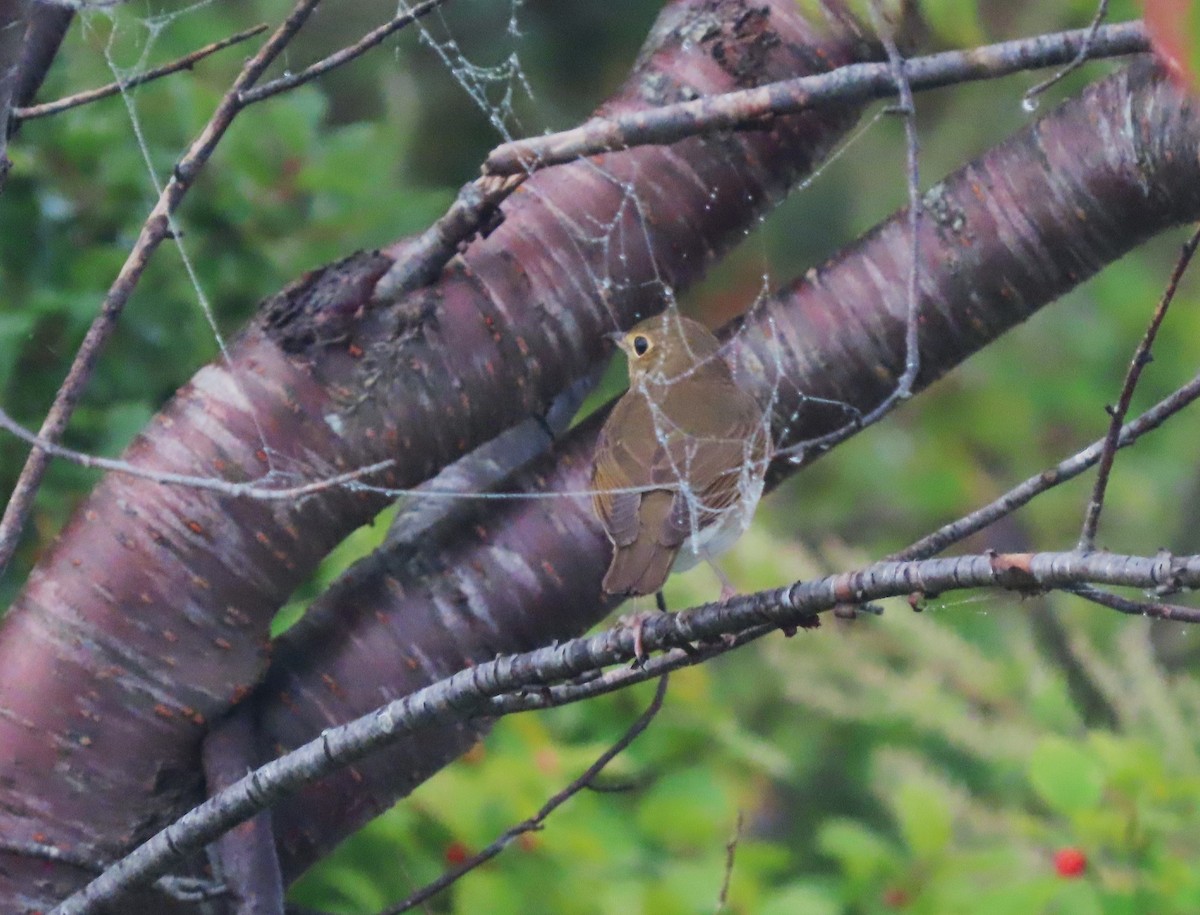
x=668 y=346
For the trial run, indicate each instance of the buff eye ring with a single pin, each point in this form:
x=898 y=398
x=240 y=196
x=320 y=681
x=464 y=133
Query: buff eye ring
x=641 y=345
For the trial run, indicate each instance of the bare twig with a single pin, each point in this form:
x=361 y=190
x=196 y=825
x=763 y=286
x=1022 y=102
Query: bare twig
x=1068 y=469
x=908 y=110
x=536 y=821
x=1141 y=358
x=903 y=389
x=855 y=82
x=224 y=487
x=345 y=55
x=469 y=692
x=1154 y=609
x=157 y=227
x=91 y=95
x=730 y=854
x=478 y=202
x=473 y=210
x=1030 y=97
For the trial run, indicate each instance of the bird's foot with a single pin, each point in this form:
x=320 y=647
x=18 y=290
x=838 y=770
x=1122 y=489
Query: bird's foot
x=635 y=621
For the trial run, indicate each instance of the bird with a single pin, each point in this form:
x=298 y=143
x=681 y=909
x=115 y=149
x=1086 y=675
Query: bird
x=680 y=460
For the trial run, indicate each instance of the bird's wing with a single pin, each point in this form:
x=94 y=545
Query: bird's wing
x=711 y=456
x=621 y=463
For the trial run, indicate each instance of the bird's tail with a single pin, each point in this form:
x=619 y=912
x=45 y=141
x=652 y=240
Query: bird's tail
x=640 y=568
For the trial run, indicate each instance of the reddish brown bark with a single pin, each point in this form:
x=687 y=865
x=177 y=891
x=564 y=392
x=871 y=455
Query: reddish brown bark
x=1000 y=238
x=149 y=616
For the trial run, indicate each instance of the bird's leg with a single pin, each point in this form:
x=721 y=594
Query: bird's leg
x=727 y=591
x=636 y=621
x=727 y=588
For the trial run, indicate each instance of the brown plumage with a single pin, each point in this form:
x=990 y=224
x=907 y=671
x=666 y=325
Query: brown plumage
x=683 y=419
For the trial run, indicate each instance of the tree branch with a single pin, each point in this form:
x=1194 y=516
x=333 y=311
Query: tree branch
x=186 y=62
x=1141 y=358
x=536 y=821
x=372 y=39
x=468 y=693
x=860 y=82
x=157 y=227
x=1085 y=50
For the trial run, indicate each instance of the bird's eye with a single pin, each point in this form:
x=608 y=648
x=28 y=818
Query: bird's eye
x=641 y=345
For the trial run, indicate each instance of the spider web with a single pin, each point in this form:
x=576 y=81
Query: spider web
x=495 y=84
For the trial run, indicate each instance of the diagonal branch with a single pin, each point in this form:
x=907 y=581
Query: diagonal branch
x=478 y=201
x=859 y=82
x=470 y=692
x=186 y=62
x=536 y=821
x=372 y=39
x=157 y=228
x=1141 y=358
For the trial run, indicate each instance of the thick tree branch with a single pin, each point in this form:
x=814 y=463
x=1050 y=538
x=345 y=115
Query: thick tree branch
x=467 y=693
x=1001 y=237
x=173 y=590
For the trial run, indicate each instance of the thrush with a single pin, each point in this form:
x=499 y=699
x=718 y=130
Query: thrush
x=680 y=460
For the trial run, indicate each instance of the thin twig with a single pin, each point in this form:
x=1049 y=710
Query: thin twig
x=467 y=694
x=1154 y=609
x=730 y=854
x=536 y=821
x=1141 y=358
x=908 y=109
x=1030 y=97
x=899 y=68
x=477 y=204
x=474 y=210
x=855 y=82
x=159 y=225
x=91 y=95
x=212 y=484
x=1068 y=469
x=345 y=55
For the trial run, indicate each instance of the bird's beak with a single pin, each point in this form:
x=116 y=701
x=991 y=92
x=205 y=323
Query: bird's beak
x=618 y=338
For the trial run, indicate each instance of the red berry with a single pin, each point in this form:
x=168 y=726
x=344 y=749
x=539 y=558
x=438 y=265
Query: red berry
x=895 y=897
x=1070 y=862
x=456 y=853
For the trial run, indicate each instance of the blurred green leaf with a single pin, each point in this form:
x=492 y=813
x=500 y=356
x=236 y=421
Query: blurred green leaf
x=924 y=819
x=1065 y=775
